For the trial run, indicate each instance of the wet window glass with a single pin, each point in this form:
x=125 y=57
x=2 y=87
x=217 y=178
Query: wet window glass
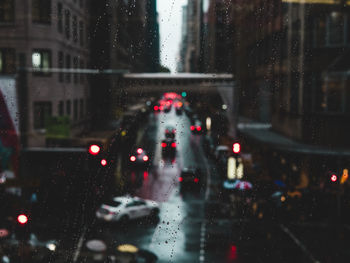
x=174 y=131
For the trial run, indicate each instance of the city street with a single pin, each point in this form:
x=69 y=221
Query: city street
x=199 y=227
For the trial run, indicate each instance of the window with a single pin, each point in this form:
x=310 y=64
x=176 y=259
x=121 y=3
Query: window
x=75 y=29
x=68 y=77
x=59 y=17
x=7 y=11
x=7 y=61
x=75 y=65
x=41 y=11
x=333 y=95
x=42 y=110
x=67 y=23
x=68 y=107
x=335 y=34
x=319 y=32
x=61 y=108
x=81 y=108
x=81 y=75
x=60 y=65
x=75 y=109
x=81 y=33
x=41 y=60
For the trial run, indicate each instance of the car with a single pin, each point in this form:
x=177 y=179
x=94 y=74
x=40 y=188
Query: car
x=167 y=107
x=221 y=151
x=139 y=157
x=170 y=132
x=168 y=147
x=178 y=107
x=192 y=178
x=196 y=127
x=125 y=208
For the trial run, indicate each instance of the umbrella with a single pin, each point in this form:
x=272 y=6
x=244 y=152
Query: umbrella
x=242 y=185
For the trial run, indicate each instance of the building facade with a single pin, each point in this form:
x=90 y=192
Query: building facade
x=291 y=61
x=42 y=35
x=191 y=46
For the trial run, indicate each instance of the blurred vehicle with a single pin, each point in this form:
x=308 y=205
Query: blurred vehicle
x=167 y=106
x=178 y=107
x=139 y=157
x=196 y=128
x=221 y=151
x=191 y=178
x=170 y=132
x=168 y=147
x=125 y=208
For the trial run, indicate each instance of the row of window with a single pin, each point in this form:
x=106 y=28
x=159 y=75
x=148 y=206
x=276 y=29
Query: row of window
x=41 y=60
x=42 y=13
x=333 y=29
x=43 y=110
x=70 y=25
x=66 y=61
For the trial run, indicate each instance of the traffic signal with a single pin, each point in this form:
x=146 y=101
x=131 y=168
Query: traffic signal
x=184 y=94
x=22 y=219
x=334 y=178
x=22 y=227
x=96 y=157
x=94 y=149
x=236 y=148
x=345 y=176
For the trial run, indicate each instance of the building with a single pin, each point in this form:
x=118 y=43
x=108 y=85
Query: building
x=183 y=43
x=190 y=50
x=291 y=61
x=124 y=38
x=218 y=47
x=42 y=35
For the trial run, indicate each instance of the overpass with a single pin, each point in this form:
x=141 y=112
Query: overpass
x=145 y=84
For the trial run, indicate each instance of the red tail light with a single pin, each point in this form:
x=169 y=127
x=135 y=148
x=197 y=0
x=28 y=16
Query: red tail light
x=199 y=128
x=139 y=150
x=196 y=180
x=145 y=158
x=132 y=158
x=192 y=128
x=103 y=162
x=156 y=108
x=180 y=179
x=173 y=144
x=163 y=144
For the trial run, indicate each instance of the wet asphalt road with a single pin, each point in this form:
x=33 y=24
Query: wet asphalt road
x=199 y=227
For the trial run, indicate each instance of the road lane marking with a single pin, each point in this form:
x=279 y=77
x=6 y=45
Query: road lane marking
x=80 y=245
x=299 y=243
x=202 y=242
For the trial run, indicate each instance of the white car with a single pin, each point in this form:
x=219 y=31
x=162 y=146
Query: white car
x=125 y=208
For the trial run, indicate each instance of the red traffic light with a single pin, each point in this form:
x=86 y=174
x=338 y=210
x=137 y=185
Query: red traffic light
x=103 y=162
x=334 y=178
x=22 y=219
x=94 y=149
x=236 y=148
